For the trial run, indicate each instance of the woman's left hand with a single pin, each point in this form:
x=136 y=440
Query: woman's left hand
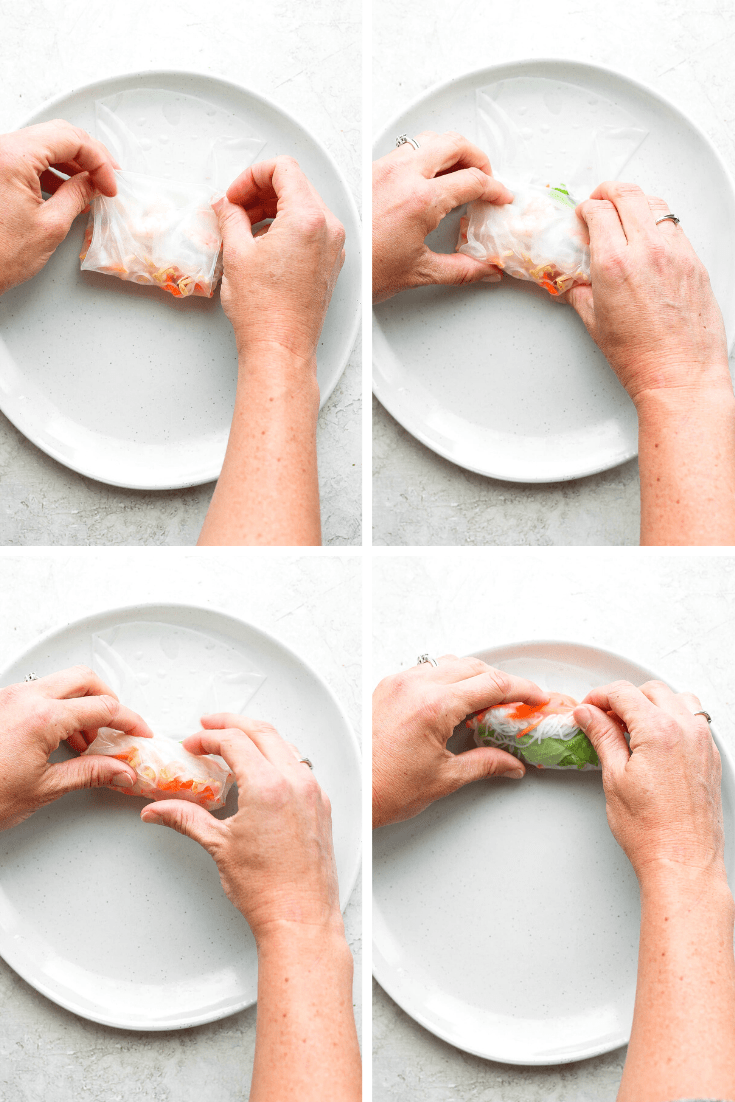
x=413 y=189
x=35 y=717
x=31 y=228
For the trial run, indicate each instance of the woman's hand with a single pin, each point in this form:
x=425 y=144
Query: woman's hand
x=414 y=715
x=663 y=794
x=413 y=189
x=275 y=855
x=650 y=307
x=31 y=228
x=277 y=285
x=35 y=717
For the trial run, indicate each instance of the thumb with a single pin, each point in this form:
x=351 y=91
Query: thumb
x=67 y=202
x=234 y=223
x=88 y=771
x=453 y=269
x=580 y=299
x=187 y=818
x=605 y=734
x=484 y=762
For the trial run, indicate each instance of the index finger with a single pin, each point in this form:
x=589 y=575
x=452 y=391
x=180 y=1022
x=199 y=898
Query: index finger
x=89 y=713
x=280 y=179
x=625 y=700
x=632 y=206
x=440 y=152
x=59 y=141
x=601 y=218
x=271 y=745
x=235 y=747
x=497 y=687
x=467 y=184
x=76 y=681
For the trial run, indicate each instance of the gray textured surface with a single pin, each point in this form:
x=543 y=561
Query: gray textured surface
x=679 y=49
x=305 y=57
x=307 y=603
x=674 y=614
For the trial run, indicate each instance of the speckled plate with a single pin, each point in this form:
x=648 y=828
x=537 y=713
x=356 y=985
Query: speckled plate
x=505 y=916
x=127 y=924
x=124 y=383
x=500 y=378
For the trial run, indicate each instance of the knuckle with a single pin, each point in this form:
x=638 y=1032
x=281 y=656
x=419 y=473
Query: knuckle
x=613 y=265
x=454 y=140
x=110 y=706
x=275 y=791
x=313 y=221
x=501 y=680
x=622 y=190
x=338 y=232
x=84 y=672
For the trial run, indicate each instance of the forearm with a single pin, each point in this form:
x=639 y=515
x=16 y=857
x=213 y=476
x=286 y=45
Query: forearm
x=686 y=448
x=681 y=1044
x=306 y=1042
x=268 y=491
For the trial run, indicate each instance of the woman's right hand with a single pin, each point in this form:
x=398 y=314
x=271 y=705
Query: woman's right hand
x=413 y=189
x=274 y=855
x=277 y=284
x=650 y=306
x=663 y=793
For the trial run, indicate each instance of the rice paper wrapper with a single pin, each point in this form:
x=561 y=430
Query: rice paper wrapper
x=165 y=770
x=177 y=153
x=546 y=737
x=171 y=675
x=551 y=143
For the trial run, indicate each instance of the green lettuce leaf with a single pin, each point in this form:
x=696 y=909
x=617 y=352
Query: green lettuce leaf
x=573 y=753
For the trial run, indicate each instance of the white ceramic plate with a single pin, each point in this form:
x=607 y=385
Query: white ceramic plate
x=124 y=383
x=127 y=924
x=506 y=916
x=500 y=378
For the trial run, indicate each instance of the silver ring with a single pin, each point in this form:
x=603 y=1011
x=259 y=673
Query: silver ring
x=403 y=138
x=305 y=761
x=675 y=220
x=706 y=715
x=31 y=677
x=426 y=658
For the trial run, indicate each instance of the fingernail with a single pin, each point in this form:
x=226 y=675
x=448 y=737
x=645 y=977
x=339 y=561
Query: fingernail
x=515 y=774
x=494 y=278
x=218 y=203
x=581 y=715
x=123 y=780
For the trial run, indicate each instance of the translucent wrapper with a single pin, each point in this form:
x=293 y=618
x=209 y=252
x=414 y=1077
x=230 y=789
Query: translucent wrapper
x=545 y=736
x=136 y=234
x=178 y=154
x=171 y=675
x=551 y=144
x=165 y=770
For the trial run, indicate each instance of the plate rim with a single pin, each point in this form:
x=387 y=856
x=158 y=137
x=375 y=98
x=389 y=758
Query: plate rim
x=445 y=85
x=593 y=1050
x=352 y=331
x=351 y=880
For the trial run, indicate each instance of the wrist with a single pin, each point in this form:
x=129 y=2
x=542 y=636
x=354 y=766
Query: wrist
x=283 y=935
x=665 y=404
x=682 y=889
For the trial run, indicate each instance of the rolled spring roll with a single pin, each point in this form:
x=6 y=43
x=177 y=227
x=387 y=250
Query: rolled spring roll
x=543 y=735
x=165 y=770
